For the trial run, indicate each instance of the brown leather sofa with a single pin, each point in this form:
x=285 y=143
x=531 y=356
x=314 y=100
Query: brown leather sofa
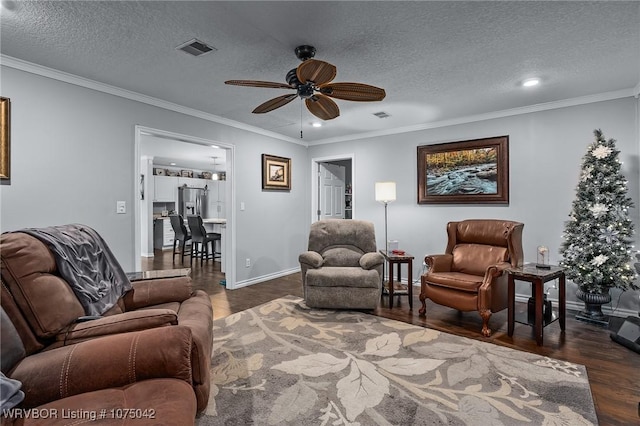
x=46 y=311
x=471 y=276
x=137 y=378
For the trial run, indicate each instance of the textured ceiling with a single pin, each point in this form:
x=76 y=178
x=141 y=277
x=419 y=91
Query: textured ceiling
x=437 y=61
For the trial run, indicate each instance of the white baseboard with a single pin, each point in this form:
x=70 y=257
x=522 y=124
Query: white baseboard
x=571 y=305
x=262 y=278
x=579 y=306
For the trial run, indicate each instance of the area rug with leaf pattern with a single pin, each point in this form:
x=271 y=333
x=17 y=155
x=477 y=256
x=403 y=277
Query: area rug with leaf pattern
x=284 y=363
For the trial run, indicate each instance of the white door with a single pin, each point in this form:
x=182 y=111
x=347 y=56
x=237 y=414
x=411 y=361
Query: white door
x=331 y=191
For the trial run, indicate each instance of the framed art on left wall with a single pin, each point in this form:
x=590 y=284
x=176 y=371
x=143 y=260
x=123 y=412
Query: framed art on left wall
x=276 y=172
x=5 y=137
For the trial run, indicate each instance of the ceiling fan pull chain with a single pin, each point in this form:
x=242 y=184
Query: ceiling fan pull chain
x=300 y=118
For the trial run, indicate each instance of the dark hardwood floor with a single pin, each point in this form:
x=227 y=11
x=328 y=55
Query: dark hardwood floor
x=613 y=370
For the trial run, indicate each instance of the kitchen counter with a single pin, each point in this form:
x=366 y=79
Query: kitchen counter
x=215 y=220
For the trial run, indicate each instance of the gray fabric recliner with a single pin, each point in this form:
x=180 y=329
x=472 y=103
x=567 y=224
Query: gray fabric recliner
x=342 y=267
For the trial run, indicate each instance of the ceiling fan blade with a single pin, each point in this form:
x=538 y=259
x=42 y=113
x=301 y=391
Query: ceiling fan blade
x=258 y=83
x=322 y=107
x=319 y=72
x=353 y=92
x=274 y=103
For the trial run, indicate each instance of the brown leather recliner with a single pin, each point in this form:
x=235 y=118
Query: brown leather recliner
x=470 y=275
x=141 y=377
x=50 y=309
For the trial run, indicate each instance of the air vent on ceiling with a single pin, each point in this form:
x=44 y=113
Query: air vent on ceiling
x=196 y=47
x=381 y=114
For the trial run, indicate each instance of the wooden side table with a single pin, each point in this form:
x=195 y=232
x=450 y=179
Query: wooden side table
x=160 y=273
x=537 y=277
x=399 y=288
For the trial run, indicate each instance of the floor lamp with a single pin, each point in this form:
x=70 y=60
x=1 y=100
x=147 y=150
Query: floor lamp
x=385 y=193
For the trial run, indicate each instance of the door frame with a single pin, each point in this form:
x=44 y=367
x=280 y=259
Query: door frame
x=315 y=170
x=230 y=196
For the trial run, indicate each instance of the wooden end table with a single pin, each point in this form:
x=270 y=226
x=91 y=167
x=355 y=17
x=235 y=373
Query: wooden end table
x=398 y=288
x=537 y=277
x=159 y=273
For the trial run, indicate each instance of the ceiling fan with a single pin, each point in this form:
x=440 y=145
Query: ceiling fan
x=312 y=82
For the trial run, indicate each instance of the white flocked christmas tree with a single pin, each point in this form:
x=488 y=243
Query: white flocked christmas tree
x=597 y=247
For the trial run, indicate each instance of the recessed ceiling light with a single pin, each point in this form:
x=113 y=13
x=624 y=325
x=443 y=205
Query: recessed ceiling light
x=172 y=164
x=316 y=124
x=215 y=146
x=8 y=5
x=530 y=82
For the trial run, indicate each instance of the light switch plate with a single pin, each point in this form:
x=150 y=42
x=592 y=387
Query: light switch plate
x=121 y=207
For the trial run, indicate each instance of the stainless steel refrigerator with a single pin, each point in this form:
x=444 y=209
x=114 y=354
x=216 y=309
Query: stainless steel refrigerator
x=192 y=201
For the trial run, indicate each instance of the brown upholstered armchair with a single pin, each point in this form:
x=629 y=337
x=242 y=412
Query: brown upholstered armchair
x=342 y=268
x=470 y=275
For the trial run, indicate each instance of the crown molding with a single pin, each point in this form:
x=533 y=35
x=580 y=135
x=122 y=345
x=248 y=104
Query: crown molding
x=54 y=74
x=127 y=94
x=582 y=100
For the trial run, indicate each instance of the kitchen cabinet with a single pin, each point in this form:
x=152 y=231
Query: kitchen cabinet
x=165 y=189
x=217 y=190
x=163 y=234
x=194 y=182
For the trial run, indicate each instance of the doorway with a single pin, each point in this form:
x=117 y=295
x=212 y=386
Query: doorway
x=145 y=173
x=332 y=187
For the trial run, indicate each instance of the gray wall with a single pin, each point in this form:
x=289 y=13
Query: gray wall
x=72 y=158
x=545 y=151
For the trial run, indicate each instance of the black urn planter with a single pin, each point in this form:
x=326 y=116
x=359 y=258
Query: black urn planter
x=593 y=307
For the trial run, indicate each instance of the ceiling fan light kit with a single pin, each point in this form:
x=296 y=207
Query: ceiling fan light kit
x=305 y=52
x=312 y=82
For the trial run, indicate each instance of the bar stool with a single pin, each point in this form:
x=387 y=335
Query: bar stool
x=182 y=235
x=199 y=236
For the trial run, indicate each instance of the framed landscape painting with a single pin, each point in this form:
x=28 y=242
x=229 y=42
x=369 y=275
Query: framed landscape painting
x=276 y=172
x=472 y=172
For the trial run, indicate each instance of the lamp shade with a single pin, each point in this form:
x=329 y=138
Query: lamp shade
x=385 y=191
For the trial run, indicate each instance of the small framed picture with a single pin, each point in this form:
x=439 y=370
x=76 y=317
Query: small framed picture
x=160 y=172
x=276 y=173
x=186 y=173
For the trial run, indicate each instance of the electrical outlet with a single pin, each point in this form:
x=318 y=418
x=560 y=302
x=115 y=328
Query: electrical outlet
x=247 y=263
x=121 y=207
